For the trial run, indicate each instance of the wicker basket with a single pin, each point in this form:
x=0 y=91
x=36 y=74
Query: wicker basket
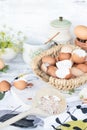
x=61 y=84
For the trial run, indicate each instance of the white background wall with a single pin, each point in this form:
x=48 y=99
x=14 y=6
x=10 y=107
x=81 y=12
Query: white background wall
x=35 y=15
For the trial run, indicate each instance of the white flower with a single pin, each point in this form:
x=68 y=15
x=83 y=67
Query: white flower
x=10 y=38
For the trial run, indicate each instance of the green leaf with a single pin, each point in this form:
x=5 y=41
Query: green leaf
x=2 y=95
x=10 y=39
x=5 y=69
x=71 y=91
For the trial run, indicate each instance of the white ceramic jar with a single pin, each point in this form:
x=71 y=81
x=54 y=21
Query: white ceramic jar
x=32 y=49
x=63 y=26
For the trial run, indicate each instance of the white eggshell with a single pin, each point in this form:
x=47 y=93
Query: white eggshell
x=79 y=52
x=66 y=49
x=62 y=73
x=64 y=63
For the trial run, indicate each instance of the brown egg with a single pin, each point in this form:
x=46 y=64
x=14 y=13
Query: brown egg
x=2 y=64
x=64 y=56
x=78 y=56
x=20 y=84
x=76 y=72
x=81 y=32
x=51 y=70
x=4 y=86
x=48 y=59
x=82 y=67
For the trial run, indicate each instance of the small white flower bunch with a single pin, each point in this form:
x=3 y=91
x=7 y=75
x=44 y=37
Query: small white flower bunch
x=10 y=38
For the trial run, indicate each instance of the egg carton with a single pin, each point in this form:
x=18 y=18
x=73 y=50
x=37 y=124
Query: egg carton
x=61 y=84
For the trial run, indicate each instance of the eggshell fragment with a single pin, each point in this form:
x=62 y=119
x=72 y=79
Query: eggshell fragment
x=52 y=71
x=4 y=86
x=2 y=64
x=20 y=84
x=48 y=59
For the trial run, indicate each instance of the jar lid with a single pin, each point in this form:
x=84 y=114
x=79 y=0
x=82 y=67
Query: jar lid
x=60 y=23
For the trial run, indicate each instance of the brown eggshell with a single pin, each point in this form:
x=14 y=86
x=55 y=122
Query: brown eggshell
x=2 y=64
x=48 y=59
x=61 y=73
x=51 y=70
x=85 y=62
x=82 y=67
x=57 y=58
x=80 y=44
x=77 y=59
x=76 y=72
x=68 y=76
x=4 y=86
x=64 y=56
x=66 y=49
x=20 y=84
x=44 y=67
x=81 y=32
x=84 y=101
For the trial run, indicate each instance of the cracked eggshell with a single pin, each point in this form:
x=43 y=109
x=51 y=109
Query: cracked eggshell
x=66 y=49
x=65 y=53
x=4 y=86
x=81 y=32
x=64 y=63
x=78 y=56
x=20 y=84
x=63 y=73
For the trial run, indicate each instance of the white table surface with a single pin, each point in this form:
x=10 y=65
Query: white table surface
x=29 y=16
x=17 y=67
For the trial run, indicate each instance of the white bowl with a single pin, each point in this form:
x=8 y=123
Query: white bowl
x=8 y=54
x=30 y=50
